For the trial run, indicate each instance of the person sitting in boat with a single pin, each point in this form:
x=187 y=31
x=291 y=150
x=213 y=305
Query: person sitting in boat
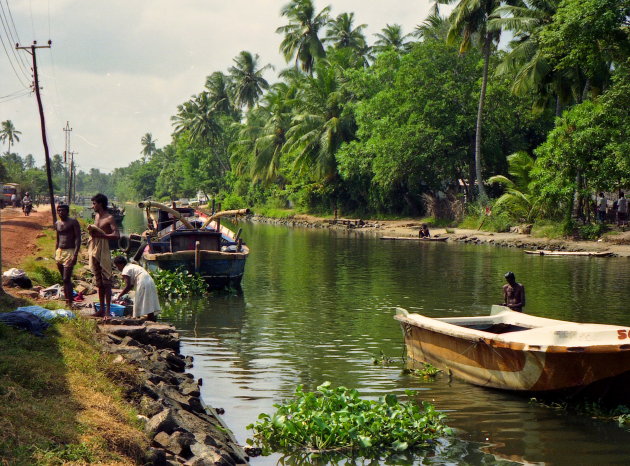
x=424 y=231
x=513 y=293
x=146 y=302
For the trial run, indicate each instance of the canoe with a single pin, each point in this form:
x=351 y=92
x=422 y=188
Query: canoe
x=514 y=351
x=413 y=238
x=189 y=239
x=545 y=252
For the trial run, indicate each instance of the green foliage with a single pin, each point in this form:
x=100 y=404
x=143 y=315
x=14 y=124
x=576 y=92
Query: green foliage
x=45 y=276
x=427 y=371
x=179 y=283
x=591 y=231
x=338 y=419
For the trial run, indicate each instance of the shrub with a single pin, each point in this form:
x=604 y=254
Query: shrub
x=45 y=276
x=338 y=419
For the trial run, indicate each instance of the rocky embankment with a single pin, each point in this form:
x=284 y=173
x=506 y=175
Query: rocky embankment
x=182 y=428
x=519 y=237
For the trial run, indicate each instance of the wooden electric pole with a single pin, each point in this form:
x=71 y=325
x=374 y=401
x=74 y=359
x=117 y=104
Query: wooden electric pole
x=31 y=49
x=66 y=174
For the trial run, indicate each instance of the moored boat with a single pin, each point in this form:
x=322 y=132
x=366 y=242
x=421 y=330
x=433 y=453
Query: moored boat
x=545 y=252
x=191 y=239
x=515 y=351
x=414 y=238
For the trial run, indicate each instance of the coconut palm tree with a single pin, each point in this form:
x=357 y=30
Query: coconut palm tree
x=469 y=18
x=9 y=134
x=301 y=35
x=531 y=69
x=341 y=33
x=247 y=81
x=391 y=37
x=148 y=145
x=434 y=27
x=218 y=86
x=319 y=126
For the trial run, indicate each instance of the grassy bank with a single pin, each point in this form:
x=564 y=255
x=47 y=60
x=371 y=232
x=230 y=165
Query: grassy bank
x=61 y=400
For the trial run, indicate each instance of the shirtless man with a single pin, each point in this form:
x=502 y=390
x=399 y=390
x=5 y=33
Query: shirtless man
x=513 y=293
x=101 y=232
x=67 y=248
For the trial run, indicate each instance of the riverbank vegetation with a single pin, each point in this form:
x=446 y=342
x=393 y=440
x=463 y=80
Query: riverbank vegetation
x=339 y=420
x=445 y=121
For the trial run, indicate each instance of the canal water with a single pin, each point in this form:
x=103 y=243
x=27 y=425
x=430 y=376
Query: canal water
x=318 y=305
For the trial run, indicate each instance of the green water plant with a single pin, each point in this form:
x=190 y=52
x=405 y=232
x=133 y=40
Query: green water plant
x=338 y=419
x=426 y=371
x=178 y=283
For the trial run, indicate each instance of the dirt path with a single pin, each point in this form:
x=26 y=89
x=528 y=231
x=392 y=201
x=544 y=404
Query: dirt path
x=19 y=233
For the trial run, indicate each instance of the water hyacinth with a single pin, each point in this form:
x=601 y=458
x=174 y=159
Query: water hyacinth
x=178 y=283
x=337 y=419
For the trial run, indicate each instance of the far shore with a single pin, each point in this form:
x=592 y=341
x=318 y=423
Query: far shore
x=619 y=244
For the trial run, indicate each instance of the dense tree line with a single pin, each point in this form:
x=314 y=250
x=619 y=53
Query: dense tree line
x=381 y=128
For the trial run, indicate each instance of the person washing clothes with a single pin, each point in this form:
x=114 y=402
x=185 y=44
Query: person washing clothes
x=146 y=302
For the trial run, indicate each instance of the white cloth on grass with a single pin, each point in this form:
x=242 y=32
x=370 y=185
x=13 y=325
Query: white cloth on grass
x=146 y=298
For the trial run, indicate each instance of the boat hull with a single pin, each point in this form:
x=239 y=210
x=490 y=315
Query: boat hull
x=515 y=366
x=219 y=269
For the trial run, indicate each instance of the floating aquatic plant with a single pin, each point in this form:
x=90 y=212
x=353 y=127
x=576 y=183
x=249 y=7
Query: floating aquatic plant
x=338 y=419
x=178 y=283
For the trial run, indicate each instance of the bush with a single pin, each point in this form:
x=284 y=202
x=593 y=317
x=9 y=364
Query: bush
x=338 y=419
x=45 y=276
x=179 y=283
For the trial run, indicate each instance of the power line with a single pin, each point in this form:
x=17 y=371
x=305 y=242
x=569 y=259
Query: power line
x=23 y=93
x=11 y=63
x=11 y=40
x=26 y=65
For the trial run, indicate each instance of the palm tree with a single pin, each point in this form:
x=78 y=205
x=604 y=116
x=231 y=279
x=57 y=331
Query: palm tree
x=301 y=35
x=434 y=27
x=391 y=37
x=9 y=134
x=148 y=145
x=518 y=199
x=218 y=86
x=526 y=61
x=319 y=126
x=471 y=17
x=341 y=33
x=247 y=80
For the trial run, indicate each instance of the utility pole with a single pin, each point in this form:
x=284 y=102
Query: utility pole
x=31 y=49
x=73 y=180
x=66 y=130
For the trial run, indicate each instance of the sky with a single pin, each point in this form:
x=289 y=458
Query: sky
x=118 y=69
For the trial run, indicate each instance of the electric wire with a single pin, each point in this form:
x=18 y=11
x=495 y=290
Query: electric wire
x=17 y=36
x=18 y=96
x=9 y=37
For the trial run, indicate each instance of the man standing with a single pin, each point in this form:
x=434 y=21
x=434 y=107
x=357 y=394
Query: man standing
x=14 y=200
x=67 y=248
x=601 y=208
x=622 y=210
x=101 y=232
x=513 y=293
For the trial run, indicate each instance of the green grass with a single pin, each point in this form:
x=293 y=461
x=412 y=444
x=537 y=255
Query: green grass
x=437 y=222
x=548 y=229
x=274 y=212
x=494 y=223
x=62 y=400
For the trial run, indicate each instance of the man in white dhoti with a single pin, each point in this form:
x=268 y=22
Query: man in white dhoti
x=146 y=301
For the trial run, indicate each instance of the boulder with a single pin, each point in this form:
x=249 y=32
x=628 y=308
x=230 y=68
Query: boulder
x=164 y=421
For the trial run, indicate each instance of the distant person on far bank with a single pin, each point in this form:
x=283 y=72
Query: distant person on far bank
x=27 y=204
x=67 y=248
x=622 y=210
x=424 y=231
x=101 y=232
x=513 y=293
x=601 y=207
x=145 y=302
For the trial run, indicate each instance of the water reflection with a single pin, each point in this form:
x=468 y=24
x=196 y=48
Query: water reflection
x=318 y=306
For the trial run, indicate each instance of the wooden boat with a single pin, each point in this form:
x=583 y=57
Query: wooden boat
x=545 y=252
x=191 y=239
x=515 y=351
x=414 y=238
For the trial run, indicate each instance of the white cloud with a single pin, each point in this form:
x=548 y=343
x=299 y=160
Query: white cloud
x=118 y=69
